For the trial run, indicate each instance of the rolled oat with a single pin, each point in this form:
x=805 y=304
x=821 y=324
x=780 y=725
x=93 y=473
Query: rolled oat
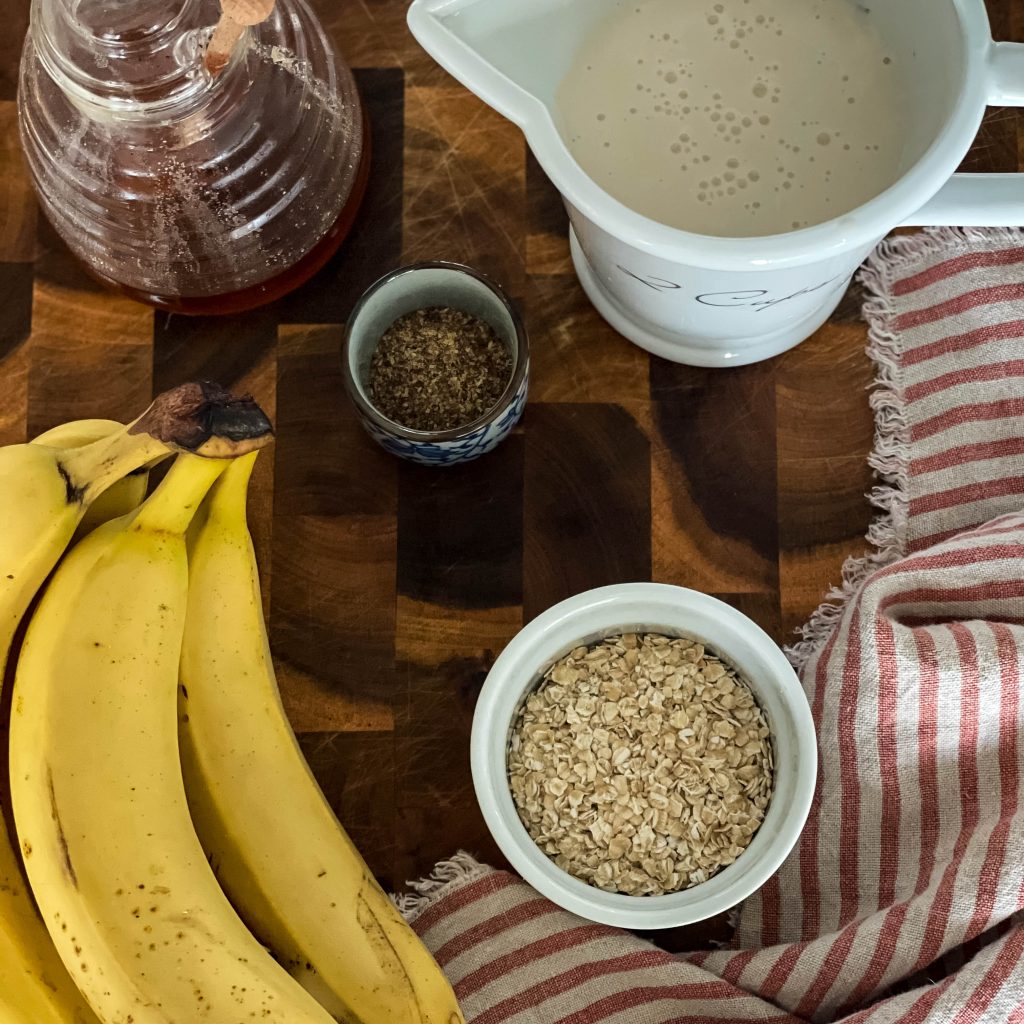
x=641 y=765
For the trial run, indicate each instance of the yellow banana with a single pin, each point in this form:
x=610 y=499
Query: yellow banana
x=121 y=880
x=43 y=494
x=281 y=855
x=76 y=433
x=34 y=986
x=121 y=496
x=45 y=488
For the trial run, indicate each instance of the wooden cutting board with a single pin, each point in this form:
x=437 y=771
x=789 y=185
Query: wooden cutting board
x=391 y=588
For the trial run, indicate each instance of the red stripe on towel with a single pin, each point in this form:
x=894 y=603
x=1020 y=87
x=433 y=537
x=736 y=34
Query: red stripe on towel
x=964 y=455
x=1011 y=330
x=630 y=998
x=960 y=304
x=568 y=981
x=518 y=958
x=462 y=898
x=978 y=412
x=958 y=265
x=492 y=927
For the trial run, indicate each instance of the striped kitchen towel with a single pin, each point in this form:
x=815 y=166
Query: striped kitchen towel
x=904 y=900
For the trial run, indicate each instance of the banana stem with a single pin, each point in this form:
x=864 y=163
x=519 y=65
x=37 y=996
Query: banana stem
x=201 y=418
x=204 y=419
x=172 y=506
x=90 y=470
x=230 y=493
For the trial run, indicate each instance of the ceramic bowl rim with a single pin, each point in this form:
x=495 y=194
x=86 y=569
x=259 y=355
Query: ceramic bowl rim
x=521 y=357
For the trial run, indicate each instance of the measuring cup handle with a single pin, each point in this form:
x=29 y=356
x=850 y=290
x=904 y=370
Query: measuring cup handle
x=1006 y=75
x=984 y=200
x=974 y=201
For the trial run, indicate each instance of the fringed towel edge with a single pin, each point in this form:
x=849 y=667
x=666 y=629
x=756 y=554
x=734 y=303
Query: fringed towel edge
x=447 y=876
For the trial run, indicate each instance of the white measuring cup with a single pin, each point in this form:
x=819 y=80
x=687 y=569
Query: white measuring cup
x=711 y=301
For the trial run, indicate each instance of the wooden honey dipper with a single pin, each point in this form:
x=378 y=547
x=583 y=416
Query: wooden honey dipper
x=235 y=16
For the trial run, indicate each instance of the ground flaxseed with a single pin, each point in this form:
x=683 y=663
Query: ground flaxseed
x=438 y=369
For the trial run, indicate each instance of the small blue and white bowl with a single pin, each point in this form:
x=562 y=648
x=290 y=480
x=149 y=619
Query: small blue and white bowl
x=420 y=286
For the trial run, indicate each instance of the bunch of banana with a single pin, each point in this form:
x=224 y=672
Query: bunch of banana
x=278 y=850
x=145 y=711
x=124 y=886
x=68 y=478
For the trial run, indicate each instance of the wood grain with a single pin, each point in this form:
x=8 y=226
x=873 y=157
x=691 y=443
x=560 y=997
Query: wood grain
x=575 y=355
x=715 y=490
x=464 y=184
x=391 y=589
x=823 y=476
x=91 y=353
x=586 y=494
x=547 y=241
x=17 y=202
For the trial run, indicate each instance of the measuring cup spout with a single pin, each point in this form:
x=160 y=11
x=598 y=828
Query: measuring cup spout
x=512 y=53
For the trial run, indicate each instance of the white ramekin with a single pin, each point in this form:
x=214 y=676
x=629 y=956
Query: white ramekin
x=674 y=611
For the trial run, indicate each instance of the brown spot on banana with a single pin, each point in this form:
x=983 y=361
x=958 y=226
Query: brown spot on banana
x=73 y=494
x=65 y=853
x=377 y=935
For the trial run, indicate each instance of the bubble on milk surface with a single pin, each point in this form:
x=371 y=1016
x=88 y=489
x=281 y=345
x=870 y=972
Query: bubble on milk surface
x=738 y=122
